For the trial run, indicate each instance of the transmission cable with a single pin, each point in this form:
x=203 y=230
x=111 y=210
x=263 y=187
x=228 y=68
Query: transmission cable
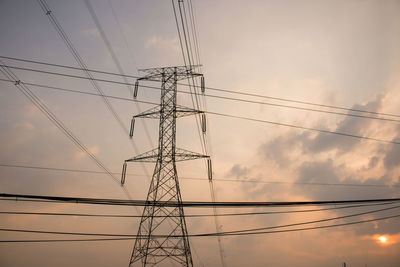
x=194 y=204
x=214 y=96
x=270 y=122
x=226 y=233
x=215 y=89
x=190 y=66
x=116 y=62
x=53 y=118
x=43 y=4
x=202 y=179
x=233 y=234
x=196 y=215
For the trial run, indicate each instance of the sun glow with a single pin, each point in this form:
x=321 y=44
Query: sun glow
x=382 y=239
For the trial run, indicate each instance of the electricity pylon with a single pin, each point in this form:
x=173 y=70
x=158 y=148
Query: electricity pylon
x=162 y=234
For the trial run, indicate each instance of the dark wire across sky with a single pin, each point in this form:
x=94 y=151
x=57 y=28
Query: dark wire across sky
x=192 y=204
x=46 y=168
x=209 y=88
x=233 y=233
x=227 y=115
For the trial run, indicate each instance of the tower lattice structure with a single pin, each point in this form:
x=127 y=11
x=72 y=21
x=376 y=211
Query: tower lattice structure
x=162 y=235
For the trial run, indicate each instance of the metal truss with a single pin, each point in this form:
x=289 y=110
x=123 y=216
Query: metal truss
x=158 y=220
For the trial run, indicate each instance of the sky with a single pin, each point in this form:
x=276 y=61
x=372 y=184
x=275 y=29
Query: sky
x=337 y=53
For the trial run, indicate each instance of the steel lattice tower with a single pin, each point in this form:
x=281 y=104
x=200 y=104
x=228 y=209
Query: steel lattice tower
x=162 y=231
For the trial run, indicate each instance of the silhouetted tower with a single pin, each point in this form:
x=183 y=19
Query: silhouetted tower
x=162 y=231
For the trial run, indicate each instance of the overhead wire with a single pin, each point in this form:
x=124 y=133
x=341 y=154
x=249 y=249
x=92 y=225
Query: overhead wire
x=198 y=215
x=194 y=31
x=197 y=50
x=312 y=222
x=202 y=136
x=199 y=105
x=48 y=12
x=250 y=231
x=116 y=62
x=241 y=92
x=262 y=121
x=125 y=40
x=186 y=64
x=213 y=96
x=202 y=179
x=194 y=204
x=57 y=122
x=53 y=118
x=314 y=227
x=305 y=128
x=224 y=232
x=79 y=92
x=43 y=4
x=233 y=234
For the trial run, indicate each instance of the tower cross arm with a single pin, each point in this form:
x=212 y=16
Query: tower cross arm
x=180 y=155
x=153 y=113
x=180 y=111
x=183 y=155
x=179 y=72
x=149 y=156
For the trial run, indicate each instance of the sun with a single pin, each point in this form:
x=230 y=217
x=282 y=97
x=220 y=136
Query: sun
x=382 y=239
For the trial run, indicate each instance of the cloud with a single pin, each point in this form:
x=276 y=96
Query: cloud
x=162 y=43
x=238 y=172
x=91 y=32
x=351 y=125
x=392 y=157
x=373 y=162
x=79 y=155
x=283 y=148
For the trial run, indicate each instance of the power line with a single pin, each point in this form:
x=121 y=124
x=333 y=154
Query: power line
x=194 y=215
x=202 y=136
x=194 y=204
x=201 y=179
x=125 y=40
x=192 y=95
x=194 y=31
x=80 y=92
x=205 y=95
x=57 y=122
x=301 y=108
x=232 y=233
x=311 y=222
x=304 y=128
x=116 y=62
x=53 y=118
x=220 y=97
x=43 y=4
x=259 y=120
x=313 y=228
x=65 y=240
x=63 y=35
x=207 y=234
x=216 y=89
x=208 y=95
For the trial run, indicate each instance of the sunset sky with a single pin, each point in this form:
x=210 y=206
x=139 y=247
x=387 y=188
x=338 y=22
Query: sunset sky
x=337 y=53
